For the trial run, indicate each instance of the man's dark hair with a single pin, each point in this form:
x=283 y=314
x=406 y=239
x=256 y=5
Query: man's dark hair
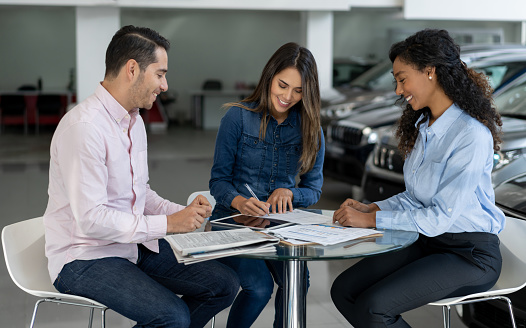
x=131 y=42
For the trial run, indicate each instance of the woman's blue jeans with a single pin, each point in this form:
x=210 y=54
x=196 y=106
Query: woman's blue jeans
x=146 y=292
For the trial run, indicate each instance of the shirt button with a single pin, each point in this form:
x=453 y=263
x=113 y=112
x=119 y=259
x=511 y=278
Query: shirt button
x=271 y=180
x=449 y=209
x=124 y=130
x=277 y=136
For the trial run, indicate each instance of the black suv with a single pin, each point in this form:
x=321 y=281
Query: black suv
x=510 y=197
x=383 y=175
x=350 y=141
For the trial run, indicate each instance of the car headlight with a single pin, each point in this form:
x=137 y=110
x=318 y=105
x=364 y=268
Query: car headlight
x=371 y=135
x=503 y=158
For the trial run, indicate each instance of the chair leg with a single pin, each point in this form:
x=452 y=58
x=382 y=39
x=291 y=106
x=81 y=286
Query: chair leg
x=446 y=311
x=512 y=317
x=103 y=314
x=90 y=322
x=33 y=318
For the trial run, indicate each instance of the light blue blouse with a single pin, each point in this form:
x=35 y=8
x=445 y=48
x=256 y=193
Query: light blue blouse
x=448 y=180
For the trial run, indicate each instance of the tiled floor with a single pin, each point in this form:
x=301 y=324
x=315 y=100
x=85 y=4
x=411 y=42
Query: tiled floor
x=180 y=162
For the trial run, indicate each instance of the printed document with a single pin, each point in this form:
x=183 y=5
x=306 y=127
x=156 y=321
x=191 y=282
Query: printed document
x=322 y=234
x=299 y=217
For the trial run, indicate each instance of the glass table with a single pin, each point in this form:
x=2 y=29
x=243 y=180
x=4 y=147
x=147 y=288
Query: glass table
x=296 y=257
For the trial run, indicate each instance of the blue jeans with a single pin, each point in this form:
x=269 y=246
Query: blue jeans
x=257 y=279
x=146 y=292
x=376 y=290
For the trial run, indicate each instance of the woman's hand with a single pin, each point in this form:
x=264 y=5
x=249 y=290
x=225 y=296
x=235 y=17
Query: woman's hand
x=361 y=207
x=250 y=206
x=353 y=213
x=350 y=217
x=280 y=199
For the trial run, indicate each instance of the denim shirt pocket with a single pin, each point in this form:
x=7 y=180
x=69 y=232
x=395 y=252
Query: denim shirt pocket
x=252 y=154
x=293 y=153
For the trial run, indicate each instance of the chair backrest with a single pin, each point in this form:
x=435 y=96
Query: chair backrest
x=50 y=104
x=205 y=193
x=23 y=243
x=512 y=247
x=12 y=104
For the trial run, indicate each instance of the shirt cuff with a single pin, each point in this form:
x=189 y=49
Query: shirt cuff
x=384 y=219
x=297 y=196
x=384 y=205
x=157 y=226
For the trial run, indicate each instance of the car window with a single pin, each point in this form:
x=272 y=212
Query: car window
x=379 y=77
x=513 y=100
x=502 y=73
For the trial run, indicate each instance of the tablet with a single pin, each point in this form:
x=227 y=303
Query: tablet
x=247 y=221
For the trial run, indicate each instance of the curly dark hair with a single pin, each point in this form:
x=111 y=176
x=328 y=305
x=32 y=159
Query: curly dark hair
x=465 y=87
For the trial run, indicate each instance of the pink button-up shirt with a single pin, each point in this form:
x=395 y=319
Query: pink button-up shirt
x=100 y=204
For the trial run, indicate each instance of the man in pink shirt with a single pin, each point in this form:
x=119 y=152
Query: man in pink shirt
x=104 y=225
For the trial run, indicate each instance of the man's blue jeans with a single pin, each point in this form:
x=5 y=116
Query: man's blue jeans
x=146 y=292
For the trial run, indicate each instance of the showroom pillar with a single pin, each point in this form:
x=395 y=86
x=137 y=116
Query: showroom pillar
x=317 y=34
x=95 y=26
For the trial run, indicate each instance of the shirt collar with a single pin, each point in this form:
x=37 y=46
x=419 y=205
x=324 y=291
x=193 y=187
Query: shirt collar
x=112 y=105
x=292 y=118
x=444 y=122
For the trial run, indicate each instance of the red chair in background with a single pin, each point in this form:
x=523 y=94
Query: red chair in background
x=49 y=109
x=13 y=111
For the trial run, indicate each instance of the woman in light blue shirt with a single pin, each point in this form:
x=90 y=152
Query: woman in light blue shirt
x=448 y=133
x=267 y=141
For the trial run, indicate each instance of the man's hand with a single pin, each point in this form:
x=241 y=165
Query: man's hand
x=191 y=217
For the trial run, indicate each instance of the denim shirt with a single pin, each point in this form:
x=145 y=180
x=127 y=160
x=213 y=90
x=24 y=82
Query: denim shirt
x=448 y=180
x=265 y=165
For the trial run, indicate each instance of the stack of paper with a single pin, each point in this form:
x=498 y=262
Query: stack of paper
x=201 y=246
x=322 y=234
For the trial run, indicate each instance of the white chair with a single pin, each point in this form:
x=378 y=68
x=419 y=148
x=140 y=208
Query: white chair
x=206 y=193
x=512 y=277
x=212 y=202
x=23 y=245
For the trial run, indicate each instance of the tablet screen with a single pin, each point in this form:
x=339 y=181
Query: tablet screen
x=247 y=221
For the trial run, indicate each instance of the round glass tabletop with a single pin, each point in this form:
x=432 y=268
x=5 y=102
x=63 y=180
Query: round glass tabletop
x=388 y=241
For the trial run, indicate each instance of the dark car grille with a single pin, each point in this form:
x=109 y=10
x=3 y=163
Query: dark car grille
x=346 y=134
x=388 y=157
x=493 y=316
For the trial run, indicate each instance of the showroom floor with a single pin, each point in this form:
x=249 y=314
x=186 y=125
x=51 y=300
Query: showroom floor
x=179 y=161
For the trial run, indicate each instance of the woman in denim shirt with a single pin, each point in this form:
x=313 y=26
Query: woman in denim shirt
x=266 y=141
x=448 y=133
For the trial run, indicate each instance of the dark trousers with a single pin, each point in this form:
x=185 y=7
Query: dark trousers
x=376 y=290
x=147 y=292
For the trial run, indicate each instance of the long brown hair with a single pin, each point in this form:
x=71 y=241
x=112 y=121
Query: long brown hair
x=468 y=89
x=292 y=55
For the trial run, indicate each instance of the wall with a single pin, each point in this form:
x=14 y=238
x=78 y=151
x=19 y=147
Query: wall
x=36 y=42
x=231 y=45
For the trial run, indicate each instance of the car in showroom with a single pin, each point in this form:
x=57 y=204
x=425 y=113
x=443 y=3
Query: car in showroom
x=375 y=85
x=510 y=197
x=346 y=69
x=350 y=141
x=383 y=176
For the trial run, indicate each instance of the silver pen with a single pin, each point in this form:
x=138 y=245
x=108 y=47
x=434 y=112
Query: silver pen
x=251 y=192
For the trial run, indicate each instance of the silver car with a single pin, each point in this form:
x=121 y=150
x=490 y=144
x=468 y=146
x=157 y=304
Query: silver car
x=383 y=175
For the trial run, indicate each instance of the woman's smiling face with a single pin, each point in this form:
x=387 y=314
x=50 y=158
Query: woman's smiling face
x=415 y=86
x=285 y=92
